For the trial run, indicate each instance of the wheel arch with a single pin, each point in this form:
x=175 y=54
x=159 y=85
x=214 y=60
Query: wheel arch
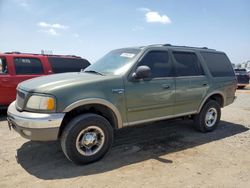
x=94 y=105
x=217 y=96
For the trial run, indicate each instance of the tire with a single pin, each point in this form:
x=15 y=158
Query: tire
x=201 y=123
x=78 y=136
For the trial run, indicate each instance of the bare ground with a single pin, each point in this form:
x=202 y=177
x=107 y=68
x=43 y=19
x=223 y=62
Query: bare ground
x=162 y=154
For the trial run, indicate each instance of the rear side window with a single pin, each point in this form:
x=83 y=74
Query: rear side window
x=60 y=65
x=218 y=64
x=187 y=64
x=28 y=66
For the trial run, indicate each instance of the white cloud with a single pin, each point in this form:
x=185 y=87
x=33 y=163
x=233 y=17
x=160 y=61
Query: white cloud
x=55 y=26
x=155 y=17
x=143 y=9
x=51 y=29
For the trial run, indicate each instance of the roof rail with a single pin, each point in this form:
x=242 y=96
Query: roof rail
x=206 y=48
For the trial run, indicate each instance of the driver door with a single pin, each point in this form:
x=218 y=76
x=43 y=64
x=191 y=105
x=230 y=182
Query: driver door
x=153 y=98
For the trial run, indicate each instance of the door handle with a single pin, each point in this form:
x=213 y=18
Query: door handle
x=165 y=86
x=5 y=80
x=204 y=84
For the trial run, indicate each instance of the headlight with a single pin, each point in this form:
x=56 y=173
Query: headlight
x=37 y=102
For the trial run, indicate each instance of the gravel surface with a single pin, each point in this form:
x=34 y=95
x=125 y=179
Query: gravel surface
x=162 y=154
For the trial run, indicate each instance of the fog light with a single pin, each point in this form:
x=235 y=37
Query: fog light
x=26 y=132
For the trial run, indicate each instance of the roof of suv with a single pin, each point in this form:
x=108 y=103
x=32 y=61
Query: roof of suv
x=179 y=47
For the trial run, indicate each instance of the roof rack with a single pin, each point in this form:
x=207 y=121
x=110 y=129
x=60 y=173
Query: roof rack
x=12 y=52
x=42 y=54
x=206 y=48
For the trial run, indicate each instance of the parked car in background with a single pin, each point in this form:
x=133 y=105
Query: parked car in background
x=16 y=67
x=242 y=78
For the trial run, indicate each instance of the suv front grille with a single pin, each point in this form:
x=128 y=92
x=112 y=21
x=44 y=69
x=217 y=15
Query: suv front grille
x=20 y=99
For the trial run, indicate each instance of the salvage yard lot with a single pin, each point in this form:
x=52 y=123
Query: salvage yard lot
x=162 y=154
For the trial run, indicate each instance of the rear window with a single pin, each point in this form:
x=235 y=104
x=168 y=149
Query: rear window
x=218 y=64
x=60 y=65
x=28 y=66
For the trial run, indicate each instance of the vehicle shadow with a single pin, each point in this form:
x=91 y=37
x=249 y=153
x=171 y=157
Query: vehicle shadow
x=3 y=115
x=132 y=145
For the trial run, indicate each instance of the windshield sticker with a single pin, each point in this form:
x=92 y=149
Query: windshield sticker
x=128 y=55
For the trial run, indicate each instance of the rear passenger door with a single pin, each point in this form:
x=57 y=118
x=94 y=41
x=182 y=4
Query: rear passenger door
x=191 y=83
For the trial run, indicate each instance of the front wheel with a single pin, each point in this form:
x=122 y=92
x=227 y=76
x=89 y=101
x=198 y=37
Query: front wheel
x=87 y=138
x=209 y=117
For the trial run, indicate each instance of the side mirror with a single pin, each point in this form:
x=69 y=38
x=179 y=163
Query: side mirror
x=142 y=72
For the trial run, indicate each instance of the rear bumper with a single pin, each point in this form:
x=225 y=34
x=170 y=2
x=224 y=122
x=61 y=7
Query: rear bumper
x=35 y=126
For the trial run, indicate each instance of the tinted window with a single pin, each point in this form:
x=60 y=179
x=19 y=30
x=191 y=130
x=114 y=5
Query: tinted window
x=187 y=64
x=28 y=66
x=159 y=63
x=3 y=66
x=218 y=64
x=60 y=65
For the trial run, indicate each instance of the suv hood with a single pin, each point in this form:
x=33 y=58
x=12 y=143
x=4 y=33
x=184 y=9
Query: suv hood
x=44 y=84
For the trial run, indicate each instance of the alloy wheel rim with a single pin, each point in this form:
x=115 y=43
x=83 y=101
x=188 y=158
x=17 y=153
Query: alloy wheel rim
x=211 y=117
x=90 y=140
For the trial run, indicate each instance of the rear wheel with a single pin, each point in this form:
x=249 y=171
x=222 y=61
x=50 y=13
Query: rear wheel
x=87 y=138
x=209 y=117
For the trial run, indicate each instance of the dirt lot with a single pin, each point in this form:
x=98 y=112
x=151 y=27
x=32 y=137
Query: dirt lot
x=163 y=154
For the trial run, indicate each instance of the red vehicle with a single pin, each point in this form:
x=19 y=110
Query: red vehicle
x=16 y=67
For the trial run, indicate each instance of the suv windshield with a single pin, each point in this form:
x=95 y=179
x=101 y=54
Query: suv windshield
x=115 y=62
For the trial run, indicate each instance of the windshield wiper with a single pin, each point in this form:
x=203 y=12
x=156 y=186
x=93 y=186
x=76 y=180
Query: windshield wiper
x=94 y=72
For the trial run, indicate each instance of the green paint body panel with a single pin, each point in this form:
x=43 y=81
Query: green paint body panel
x=141 y=100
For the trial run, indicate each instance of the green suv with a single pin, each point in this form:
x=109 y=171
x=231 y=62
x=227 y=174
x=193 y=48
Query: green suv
x=126 y=87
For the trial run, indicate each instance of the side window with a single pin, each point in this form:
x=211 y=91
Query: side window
x=159 y=63
x=3 y=66
x=187 y=64
x=28 y=66
x=60 y=65
x=218 y=64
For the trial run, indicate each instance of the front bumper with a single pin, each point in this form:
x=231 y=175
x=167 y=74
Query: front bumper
x=35 y=126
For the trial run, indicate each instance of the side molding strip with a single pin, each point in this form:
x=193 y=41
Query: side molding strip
x=158 y=118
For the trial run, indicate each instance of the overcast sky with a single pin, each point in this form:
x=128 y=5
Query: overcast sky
x=91 y=28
